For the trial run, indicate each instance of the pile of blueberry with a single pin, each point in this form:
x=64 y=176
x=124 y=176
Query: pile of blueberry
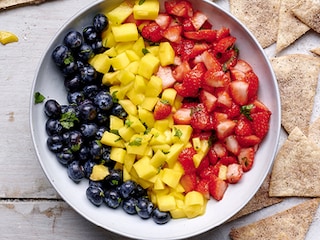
x=75 y=129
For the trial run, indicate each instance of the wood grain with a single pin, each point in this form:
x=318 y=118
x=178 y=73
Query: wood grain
x=7 y=4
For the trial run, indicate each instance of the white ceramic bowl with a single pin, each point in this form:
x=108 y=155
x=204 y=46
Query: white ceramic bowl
x=48 y=81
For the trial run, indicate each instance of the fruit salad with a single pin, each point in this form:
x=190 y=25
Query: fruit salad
x=162 y=114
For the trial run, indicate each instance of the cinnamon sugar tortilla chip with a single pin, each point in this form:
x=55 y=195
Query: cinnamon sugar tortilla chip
x=316 y=51
x=290 y=28
x=259 y=201
x=291 y=224
x=296 y=168
x=314 y=132
x=297 y=76
x=260 y=17
x=308 y=12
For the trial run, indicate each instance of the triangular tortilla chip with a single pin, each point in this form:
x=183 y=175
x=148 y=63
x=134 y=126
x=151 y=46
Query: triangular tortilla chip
x=314 y=132
x=290 y=28
x=296 y=168
x=309 y=13
x=291 y=224
x=316 y=51
x=260 y=17
x=297 y=76
x=259 y=201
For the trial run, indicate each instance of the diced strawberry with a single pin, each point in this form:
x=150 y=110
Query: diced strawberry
x=131 y=19
x=198 y=19
x=243 y=127
x=239 y=92
x=222 y=33
x=209 y=100
x=152 y=32
x=232 y=112
x=187 y=25
x=213 y=158
x=201 y=119
x=181 y=70
x=258 y=106
x=179 y=8
x=252 y=79
x=203 y=165
x=206 y=25
x=237 y=75
x=165 y=73
x=232 y=144
x=248 y=140
x=217 y=188
x=215 y=79
x=227 y=160
x=246 y=158
x=203 y=188
x=162 y=109
x=225 y=43
x=189 y=182
x=208 y=35
x=211 y=62
x=220 y=149
x=219 y=117
x=224 y=99
x=186 y=160
x=242 y=66
x=163 y=20
x=225 y=128
x=182 y=116
x=183 y=48
x=260 y=123
x=210 y=172
x=173 y=33
x=229 y=58
x=234 y=173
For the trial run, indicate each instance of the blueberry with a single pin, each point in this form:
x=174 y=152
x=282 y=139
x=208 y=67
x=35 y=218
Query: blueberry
x=65 y=156
x=55 y=143
x=70 y=68
x=129 y=205
x=160 y=217
x=100 y=22
x=95 y=195
x=97 y=46
x=96 y=149
x=75 y=171
x=73 y=39
x=75 y=97
x=85 y=52
x=100 y=132
x=75 y=141
x=73 y=83
x=88 y=74
x=87 y=112
x=90 y=34
x=53 y=126
x=87 y=167
x=118 y=111
x=127 y=188
x=103 y=100
x=84 y=153
x=90 y=91
x=114 y=179
x=139 y=192
x=112 y=198
x=103 y=117
x=88 y=130
x=144 y=208
x=62 y=55
x=52 y=109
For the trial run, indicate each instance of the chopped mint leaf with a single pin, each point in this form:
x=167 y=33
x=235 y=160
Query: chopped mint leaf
x=141 y=2
x=136 y=142
x=145 y=51
x=177 y=132
x=246 y=110
x=128 y=123
x=68 y=119
x=114 y=97
x=38 y=98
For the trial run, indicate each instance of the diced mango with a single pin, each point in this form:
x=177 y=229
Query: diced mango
x=115 y=123
x=110 y=78
x=108 y=40
x=111 y=52
x=146 y=117
x=166 y=202
x=136 y=149
x=7 y=37
x=112 y=140
x=154 y=87
x=126 y=32
x=125 y=76
x=101 y=63
x=120 y=13
x=135 y=97
x=99 y=172
x=174 y=152
x=138 y=47
x=196 y=142
x=169 y=95
x=158 y=159
x=129 y=107
x=181 y=133
x=132 y=55
x=197 y=158
x=118 y=154
x=120 y=61
x=149 y=103
x=149 y=65
x=136 y=124
x=129 y=161
x=124 y=47
x=144 y=168
x=146 y=10
x=166 y=54
x=171 y=177
x=140 y=84
x=126 y=133
x=133 y=67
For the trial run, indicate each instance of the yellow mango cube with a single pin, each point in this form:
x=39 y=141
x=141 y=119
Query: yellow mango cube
x=120 y=13
x=120 y=61
x=99 y=172
x=126 y=32
x=158 y=159
x=123 y=47
x=132 y=55
x=169 y=95
x=125 y=76
x=158 y=184
x=138 y=47
x=149 y=65
x=108 y=40
x=165 y=148
x=110 y=78
x=166 y=202
x=135 y=97
x=154 y=50
x=174 y=152
x=133 y=67
x=147 y=10
x=140 y=84
x=118 y=154
x=181 y=133
x=129 y=161
x=115 y=123
x=144 y=168
x=154 y=87
x=126 y=175
x=197 y=158
x=129 y=107
x=136 y=148
x=101 y=63
x=162 y=125
x=196 y=142
x=126 y=133
x=171 y=177
x=166 y=54
x=7 y=37
x=136 y=124
x=112 y=140
x=149 y=103
x=146 y=117
x=111 y=52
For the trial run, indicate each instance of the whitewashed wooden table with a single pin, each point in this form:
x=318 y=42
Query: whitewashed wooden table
x=29 y=206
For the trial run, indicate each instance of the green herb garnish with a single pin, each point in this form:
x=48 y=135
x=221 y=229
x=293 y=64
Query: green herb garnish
x=38 y=98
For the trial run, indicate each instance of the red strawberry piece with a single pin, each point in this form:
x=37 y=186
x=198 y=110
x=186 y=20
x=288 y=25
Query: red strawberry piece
x=229 y=59
x=246 y=158
x=222 y=33
x=165 y=73
x=210 y=172
x=220 y=149
x=181 y=70
x=186 y=160
x=225 y=128
x=237 y=75
x=217 y=188
x=203 y=188
x=213 y=158
x=200 y=119
x=224 y=99
x=208 y=35
x=233 y=112
x=163 y=20
x=219 y=117
x=252 y=79
x=187 y=25
x=234 y=173
x=227 y=160
x=182 y=116
x=232 y=144
x=209 y=100
x=173 y=33
x=183 y=48
x=198 y=19
x=131 y=19
x=239 y=92
x=248 y=140
x=215 y=79
x=225 y=43
x=206 y=25
x=243 y=127
x=258 y=106
x=211 y=62
x=242 y=66
x=162 y=109
x=260 y=123
x=203 y=165
x=189 y=182
x=198 y=49
x=152 y=32
x=179 y=8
